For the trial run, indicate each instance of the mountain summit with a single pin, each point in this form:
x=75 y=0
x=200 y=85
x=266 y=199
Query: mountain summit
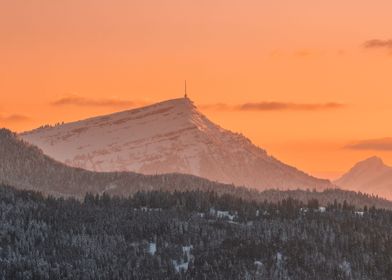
x=370 y=175
x=167 y=137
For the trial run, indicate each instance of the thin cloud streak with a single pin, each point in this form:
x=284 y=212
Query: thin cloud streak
x=14 y=118
x=299 y=53
x=381 y=144
x=274 y=106
x=378 y=44
x=74 y=100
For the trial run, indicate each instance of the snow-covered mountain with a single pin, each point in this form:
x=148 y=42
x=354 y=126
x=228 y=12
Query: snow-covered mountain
x=24 y=166
x=171 y=136
x=370 y=176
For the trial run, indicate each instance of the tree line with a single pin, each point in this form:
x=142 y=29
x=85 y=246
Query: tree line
x=178 y=235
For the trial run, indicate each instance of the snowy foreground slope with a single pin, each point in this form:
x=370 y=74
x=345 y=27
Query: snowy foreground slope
x=171 y=136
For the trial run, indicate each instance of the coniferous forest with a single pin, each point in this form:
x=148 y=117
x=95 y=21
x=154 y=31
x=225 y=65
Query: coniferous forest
x=189 y=235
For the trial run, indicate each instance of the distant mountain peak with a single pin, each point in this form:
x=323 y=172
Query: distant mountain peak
x=172 y=136
x=371 y=175
x=374 y=161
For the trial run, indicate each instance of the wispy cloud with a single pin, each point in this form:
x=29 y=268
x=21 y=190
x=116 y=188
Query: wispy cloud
x=14 y=118
x=274 y=106
x=378 y=44
x=381 y=144
x=75 y=100
x=304 y=53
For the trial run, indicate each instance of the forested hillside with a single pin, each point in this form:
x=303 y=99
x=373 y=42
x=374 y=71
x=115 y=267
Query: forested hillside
x=189 y=235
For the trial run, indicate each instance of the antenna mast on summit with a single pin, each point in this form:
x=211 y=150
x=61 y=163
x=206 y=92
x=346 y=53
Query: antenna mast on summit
x=185 y=95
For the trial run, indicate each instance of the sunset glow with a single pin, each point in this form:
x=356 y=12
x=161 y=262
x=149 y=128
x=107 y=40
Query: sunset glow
x=309 y=81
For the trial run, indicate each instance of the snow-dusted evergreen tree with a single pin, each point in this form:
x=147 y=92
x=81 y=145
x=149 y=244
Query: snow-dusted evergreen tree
x=162 y=235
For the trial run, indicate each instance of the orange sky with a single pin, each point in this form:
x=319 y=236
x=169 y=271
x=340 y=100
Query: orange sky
x=108 y=55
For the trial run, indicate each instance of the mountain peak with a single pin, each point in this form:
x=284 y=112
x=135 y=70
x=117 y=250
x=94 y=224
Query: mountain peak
x=373 y=161
x=184 y=102
x=167 y=137
x=179 y=105
x=371 y=175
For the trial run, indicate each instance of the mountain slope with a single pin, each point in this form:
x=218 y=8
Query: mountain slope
x=167 y=137
x=370 y=175
x=24 y=166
